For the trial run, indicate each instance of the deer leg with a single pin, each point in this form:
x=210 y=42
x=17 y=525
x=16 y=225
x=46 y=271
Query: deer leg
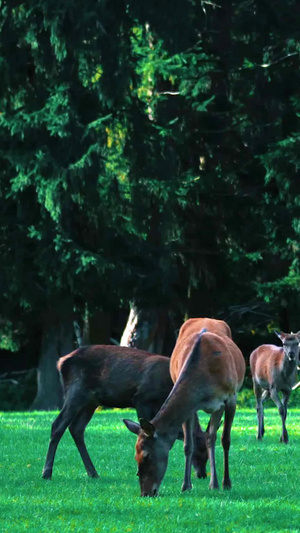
x=188 y=452
x=230 y=408
x=77 y=428
x=265 y=396
x=59 y=426
x=259 y=409
x=282 y=411
x=211 y=436
x=200 y=456
x=73 y=404
x=285 y=401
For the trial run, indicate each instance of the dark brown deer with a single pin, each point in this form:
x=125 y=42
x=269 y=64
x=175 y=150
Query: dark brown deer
x=207 y=370
x=112 y=376
x=274 y=371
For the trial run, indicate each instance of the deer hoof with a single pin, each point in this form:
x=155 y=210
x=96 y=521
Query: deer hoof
x=284 y=439
x=185 y=487
x=214 y=486
x=93 y=474
x=47 y=474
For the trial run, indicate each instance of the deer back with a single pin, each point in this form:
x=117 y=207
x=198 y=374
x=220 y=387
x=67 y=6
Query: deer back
x=265 y=360
x=195 y=325
x=114 y=374
x=220 y=362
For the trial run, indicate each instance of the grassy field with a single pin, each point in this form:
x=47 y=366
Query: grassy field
x=265 y=496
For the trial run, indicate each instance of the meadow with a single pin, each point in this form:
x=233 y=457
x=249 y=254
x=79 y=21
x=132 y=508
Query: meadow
x=265 y=495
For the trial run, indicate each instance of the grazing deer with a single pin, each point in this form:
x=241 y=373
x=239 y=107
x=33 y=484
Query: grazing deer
x=207 y=370
x=111 y=376
x=274 y=370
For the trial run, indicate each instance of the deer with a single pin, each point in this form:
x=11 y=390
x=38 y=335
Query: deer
x=207 y=370
x=274 y=371
x=112 y=376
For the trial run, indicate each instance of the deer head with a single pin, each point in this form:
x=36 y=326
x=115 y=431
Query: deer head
x=152 y=452
x=290 y=343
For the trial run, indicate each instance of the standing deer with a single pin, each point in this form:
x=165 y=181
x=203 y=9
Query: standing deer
x=274 y=370
x=112 y=376
x=207 y=370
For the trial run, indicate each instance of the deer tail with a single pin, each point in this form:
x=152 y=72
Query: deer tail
x=64 y=366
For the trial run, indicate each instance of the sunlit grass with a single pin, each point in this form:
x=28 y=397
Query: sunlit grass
x=265 y=495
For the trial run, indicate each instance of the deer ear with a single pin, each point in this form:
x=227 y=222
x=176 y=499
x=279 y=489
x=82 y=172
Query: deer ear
x=280 y=334
x=147 y=427
x=134 y=427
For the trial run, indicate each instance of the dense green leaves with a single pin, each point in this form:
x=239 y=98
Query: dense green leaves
x=149 y=152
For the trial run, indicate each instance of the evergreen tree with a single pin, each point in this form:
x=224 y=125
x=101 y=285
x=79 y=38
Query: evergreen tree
x=150 y=154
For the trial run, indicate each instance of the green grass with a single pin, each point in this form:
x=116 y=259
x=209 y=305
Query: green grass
x=265 y=496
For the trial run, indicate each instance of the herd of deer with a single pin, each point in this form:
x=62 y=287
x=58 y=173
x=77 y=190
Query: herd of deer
x=205 y=372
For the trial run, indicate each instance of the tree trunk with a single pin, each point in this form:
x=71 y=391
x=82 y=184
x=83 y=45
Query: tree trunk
x=149 y=329
x=57 y=340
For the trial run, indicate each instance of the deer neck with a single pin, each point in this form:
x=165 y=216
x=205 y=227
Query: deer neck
x=183 y=399
x=289 y=367
x=177 y=408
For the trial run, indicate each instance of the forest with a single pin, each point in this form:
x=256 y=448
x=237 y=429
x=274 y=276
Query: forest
x=150 y=162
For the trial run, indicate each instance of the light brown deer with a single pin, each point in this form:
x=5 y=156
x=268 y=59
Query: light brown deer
x=274 y=371
x=112 y=376
x=207 y=369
